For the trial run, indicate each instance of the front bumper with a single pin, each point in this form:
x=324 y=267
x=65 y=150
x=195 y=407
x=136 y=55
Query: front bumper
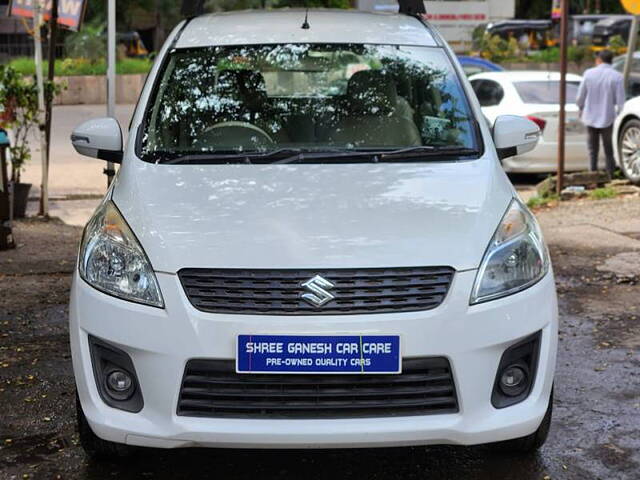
x=160 y=342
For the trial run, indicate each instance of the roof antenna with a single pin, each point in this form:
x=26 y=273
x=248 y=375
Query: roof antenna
x=305 y=25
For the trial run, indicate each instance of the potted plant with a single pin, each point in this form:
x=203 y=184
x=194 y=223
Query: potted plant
x=19 y=113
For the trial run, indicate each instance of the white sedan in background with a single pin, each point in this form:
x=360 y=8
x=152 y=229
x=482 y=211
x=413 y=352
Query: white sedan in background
x=535 y=95
x=626 y=140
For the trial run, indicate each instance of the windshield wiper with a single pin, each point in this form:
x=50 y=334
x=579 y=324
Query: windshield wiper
x=226 y=158
x=445 y=152
x=314 y=156
x=429 y=151
x=299 y=155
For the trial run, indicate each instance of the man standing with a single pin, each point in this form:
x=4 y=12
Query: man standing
x=600 y=98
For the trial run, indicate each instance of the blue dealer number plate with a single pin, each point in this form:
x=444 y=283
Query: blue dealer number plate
x=364 y=354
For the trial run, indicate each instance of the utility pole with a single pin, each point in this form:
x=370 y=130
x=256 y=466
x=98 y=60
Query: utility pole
x=631 y=49
x=564 y=34
x=44 y=193
x=111 y=74
x=53 y=34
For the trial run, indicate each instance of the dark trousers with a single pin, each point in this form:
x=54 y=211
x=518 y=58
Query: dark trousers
x=594 y=135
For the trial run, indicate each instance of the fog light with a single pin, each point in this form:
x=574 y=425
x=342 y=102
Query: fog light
x=119 y=384
x=514 y=380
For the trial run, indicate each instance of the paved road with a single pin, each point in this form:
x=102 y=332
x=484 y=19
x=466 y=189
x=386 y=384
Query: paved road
x=71 y=173
x=596 y=413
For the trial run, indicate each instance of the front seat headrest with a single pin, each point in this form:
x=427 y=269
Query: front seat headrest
x=247 y=85
x=371 y=92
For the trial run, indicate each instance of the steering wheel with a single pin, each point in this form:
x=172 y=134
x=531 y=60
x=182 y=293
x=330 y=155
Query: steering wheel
x=235 y=134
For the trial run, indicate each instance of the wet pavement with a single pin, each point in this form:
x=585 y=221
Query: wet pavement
x=596 y=424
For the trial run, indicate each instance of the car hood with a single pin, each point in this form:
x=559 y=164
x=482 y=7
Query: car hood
x=313 y=216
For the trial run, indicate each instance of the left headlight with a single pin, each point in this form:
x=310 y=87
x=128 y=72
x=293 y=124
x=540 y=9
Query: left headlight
x=515 y=259
x=112 y=260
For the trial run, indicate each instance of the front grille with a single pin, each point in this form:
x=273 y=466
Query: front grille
x=278 y=292
x=211 y=388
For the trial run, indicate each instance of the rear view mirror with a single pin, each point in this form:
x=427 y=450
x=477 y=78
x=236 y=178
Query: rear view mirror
x=99 y=138
x=514 y=135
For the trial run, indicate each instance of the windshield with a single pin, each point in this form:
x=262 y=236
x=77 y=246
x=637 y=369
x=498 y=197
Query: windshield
x=307 y=97
x=546 y=92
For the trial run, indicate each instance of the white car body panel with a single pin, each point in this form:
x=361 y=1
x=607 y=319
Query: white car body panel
x=312 y=216
x=473 y=338
x=544 y=157
x=631 y=110
x=307 y=216
x=239 y=28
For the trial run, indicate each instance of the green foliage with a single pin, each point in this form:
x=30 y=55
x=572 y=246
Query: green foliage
x=617 y=43
x=89 y=43
x=580 y=54
x=82 y=66
x=19 y=106
x=577 y=54
x=539 y=202
x=133 y=65
x=602 y=193
x=548 y=55
x=542 y=8
x=497 y=49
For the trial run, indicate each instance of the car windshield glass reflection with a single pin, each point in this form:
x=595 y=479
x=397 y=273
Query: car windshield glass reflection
x=308 y=97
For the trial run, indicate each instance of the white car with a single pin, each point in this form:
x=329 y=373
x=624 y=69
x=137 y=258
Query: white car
x=310 y=243
x=535 y=95
x=626 y=140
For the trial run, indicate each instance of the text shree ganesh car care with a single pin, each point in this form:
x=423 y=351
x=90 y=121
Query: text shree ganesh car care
x=310 y=242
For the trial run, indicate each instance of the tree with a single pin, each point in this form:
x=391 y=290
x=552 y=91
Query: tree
x=542 y=8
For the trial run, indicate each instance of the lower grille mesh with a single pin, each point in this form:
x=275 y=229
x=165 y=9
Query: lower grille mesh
x=211 y=388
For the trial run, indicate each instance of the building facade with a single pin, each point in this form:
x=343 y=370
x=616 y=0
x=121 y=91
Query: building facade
x=456 y=19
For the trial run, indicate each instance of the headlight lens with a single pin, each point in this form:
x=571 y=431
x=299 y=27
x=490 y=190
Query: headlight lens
x=516 y=258
x=112 y=260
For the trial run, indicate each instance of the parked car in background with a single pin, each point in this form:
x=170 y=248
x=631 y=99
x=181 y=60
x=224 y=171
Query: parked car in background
x=310 y=243
x=633 y=89
x=626 y=135
x=473 y=65
x=535 y=95
x=609 y=27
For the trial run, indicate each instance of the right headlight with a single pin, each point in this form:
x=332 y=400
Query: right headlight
x=515 y=259
x=112 y=261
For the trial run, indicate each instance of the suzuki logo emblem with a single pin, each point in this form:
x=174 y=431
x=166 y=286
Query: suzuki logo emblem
x=318 y=287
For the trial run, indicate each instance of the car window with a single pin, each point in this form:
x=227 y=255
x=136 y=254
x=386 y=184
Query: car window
x=546 y=92
x=489 y=92
x=311 y=96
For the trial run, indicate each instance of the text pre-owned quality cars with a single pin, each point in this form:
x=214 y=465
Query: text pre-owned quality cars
x=310 y=242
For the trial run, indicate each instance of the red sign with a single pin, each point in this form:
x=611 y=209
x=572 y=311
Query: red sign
x=70 y=12
x=481 y=17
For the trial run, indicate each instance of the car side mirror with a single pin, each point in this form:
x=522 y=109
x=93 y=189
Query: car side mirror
x=514 y=135
x=99 y=138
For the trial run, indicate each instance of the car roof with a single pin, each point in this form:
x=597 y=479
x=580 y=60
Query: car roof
x=285 y=26
x=525 y=76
